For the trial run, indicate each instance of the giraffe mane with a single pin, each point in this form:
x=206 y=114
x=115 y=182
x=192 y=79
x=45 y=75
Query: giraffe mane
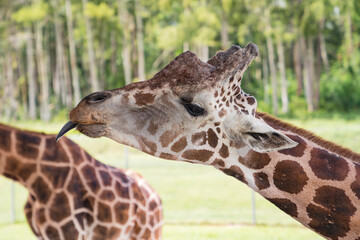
x=330 y=146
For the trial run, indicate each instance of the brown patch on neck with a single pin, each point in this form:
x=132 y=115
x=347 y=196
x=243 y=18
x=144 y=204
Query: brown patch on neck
x=144 y=98
x=167 y=137
x=330 y=146
x=5 y=141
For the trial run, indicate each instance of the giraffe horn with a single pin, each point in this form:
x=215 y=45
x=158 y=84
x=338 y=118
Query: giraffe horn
x=234 y=61
x=67 y=127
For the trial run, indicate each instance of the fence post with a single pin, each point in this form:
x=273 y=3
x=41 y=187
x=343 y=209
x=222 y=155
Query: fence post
x=253 y=206
x=126 y=156
x=12 y=193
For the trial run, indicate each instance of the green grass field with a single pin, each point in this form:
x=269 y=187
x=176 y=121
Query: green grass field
x=200 y=202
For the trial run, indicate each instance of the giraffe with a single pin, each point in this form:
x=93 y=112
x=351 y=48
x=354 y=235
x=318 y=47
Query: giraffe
x=74 y=196
x=196 y=111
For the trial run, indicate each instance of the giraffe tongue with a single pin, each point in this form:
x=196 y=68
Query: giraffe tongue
x=67 y=127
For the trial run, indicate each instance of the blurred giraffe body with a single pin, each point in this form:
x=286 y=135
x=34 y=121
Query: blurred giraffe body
x=74 y=196
x=197 y=112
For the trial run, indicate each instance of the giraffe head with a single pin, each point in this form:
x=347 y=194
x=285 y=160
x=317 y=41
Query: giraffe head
x=186 y=111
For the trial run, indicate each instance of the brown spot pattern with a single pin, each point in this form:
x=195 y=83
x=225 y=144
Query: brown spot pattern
x=218 y=162
x=255 y=160
x=104 y=212
x=60 y=208
x=167 y=137
x=122 y=191
x=69 y=231
x=107 y=195
x=285 y=205
x=41 y=190
x=54 y=152
x=235 y=172
x=105 y=178
x=147 y=146
x=200 y=155
x=290 y=177
x=56 y=175
x=328 y=166
x=144 y=98
x=332 y=217
x=179 y=145
x=199 y=138
x=212 y=138
x=121 y=212
x=90 y=176
x=297 y=151
x=251 y=100
x=224 y=151
x=355 y=186
x=5 y=141
x=261 y=180
x=27 y=145
x=16 y=170
x=152 y=129
x=52 y=233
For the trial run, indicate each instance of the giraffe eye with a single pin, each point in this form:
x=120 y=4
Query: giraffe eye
x=194 y=110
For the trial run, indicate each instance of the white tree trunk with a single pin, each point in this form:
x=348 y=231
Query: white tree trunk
x=74 y=70
x=282 y=70
x=271 y=58
x=126 y=51
x=307 y=74
x=140 y=41
x=90 y=49
x=42 y=73
x=31 y=74
x=298 y=65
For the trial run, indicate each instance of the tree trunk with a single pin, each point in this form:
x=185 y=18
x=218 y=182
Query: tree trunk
x=114 y=53
x=348 y=32
x=204 y=52
x=102 y=76
x=42 y=73
x=126 y=51
x=224 y=31
x=271 y=57
x=22 y=85
x=8 y=97
x=266 y=80
x=322 y=46
x=72 y=51
x=308 y=83
x=317 y=76
x=60 y=76
x=90 y=48
x=140 y=41
x=31 y=74
x=298 y=65
x=282 y=70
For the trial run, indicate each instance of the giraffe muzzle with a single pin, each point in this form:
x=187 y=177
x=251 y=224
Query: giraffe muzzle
x=67 y=127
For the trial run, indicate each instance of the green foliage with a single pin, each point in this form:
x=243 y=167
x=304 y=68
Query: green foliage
x=28 y=14
x=341 y=89
x=99 y=11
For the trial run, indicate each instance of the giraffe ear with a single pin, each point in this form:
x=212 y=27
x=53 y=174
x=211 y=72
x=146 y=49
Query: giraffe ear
x=259 y=136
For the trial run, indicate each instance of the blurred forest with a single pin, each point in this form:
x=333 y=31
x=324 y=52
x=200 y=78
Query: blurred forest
x=54 y=52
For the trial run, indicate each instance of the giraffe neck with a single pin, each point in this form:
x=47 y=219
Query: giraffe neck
x=27 y=157
x=317 y=182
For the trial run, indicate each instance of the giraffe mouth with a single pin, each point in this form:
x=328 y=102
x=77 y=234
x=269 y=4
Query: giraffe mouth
x=90 y=130
x=67 y=127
